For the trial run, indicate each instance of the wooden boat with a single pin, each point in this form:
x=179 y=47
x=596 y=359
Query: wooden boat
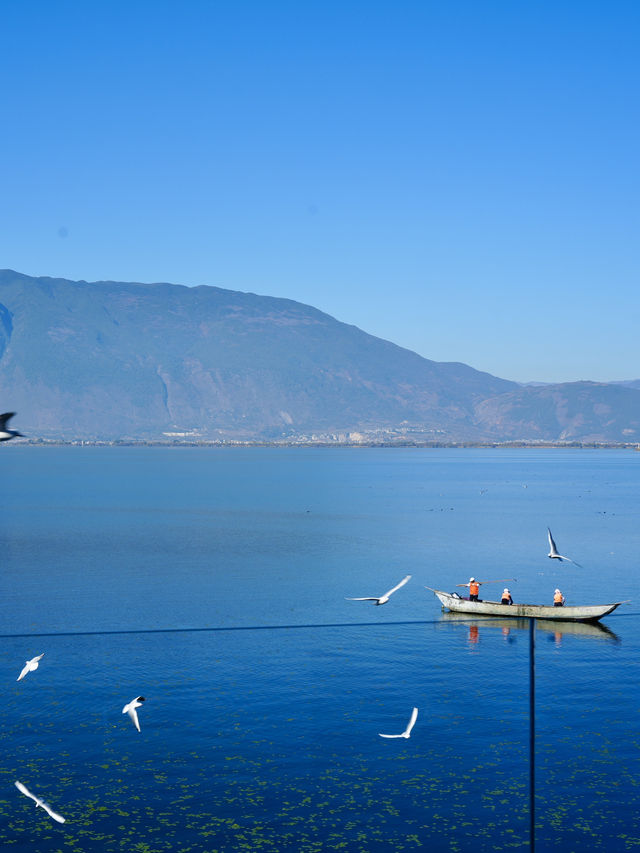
x=582 y=613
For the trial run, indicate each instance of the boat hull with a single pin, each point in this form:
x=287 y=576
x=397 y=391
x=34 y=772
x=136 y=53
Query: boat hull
x=586 y=613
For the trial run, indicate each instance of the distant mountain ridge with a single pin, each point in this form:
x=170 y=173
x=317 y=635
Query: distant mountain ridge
x=128 y=361
x=629 y=383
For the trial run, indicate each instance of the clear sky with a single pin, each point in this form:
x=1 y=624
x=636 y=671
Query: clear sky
x=460 y=177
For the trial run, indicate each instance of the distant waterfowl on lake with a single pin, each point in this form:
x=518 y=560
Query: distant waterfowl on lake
x=407 y=732
x=131 y=710
x=383 y=598
x=39 y=802
x=30 y=666
x=553 y=552
x=7 y=434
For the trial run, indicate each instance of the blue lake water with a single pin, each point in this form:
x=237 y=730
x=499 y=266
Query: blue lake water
x=213 y=582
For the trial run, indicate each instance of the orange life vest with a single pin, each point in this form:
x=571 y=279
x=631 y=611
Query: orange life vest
x=557 y=598
x=474 y=588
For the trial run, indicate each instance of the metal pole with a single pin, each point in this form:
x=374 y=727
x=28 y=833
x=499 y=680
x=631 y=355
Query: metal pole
x=532 y=734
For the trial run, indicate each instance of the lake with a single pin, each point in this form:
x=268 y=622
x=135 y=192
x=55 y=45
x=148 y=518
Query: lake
x=213 y=581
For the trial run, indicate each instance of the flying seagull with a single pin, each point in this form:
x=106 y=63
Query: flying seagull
x=383 y=598
x=39 y=802
x=553 y=552
x=407 y=732
x=6 y=434
x=130 y=709
x=30 y=666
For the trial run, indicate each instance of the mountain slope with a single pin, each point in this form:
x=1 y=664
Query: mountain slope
x=572 y=411
x=122 y=360
x=112 y=360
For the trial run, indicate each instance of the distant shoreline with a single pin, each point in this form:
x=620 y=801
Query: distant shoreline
x=426 y=445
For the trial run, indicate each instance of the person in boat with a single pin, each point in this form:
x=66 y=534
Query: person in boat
x=506 y=597
x=558 y=599
x=474 y=589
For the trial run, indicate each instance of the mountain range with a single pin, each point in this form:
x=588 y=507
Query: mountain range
x=114 y=361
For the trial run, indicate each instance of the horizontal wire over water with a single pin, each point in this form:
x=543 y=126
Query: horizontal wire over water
x=219 y=628
x=308 y=626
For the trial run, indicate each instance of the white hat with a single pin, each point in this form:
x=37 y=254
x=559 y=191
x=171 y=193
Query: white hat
x=471 y=580
x=557 y=590
x=506 y=590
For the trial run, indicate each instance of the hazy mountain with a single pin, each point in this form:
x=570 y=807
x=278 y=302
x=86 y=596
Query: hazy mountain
x=112 y=360
x=138 y=360
x=573 y=411
x=629 y=383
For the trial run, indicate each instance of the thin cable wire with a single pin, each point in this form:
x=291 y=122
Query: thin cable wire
x=301 y=626
x=312 y=625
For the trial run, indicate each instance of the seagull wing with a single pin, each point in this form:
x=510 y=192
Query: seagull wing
x=26 y=791
x=51 y=812
x=366 y=598
x=131 y=711
x=37 y=658
x=569 y=560
x=397 y=586
x=5 y=418
x=554 y=551
x=25 y=670
x=412 y=722
x=381 y=735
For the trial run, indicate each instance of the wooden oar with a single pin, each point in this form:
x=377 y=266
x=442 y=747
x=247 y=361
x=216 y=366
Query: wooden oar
x=504 y=580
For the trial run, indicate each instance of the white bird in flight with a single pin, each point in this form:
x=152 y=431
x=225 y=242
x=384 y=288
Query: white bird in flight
x=30 y=666
x=407 y=732
x=383 y=598
x=130 y=709
x=39 y=802
x=7 y=434
x=553 y=552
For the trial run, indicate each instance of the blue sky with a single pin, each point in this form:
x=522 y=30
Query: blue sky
x=459 y=177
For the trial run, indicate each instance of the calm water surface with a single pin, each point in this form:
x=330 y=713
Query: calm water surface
x=213 y=582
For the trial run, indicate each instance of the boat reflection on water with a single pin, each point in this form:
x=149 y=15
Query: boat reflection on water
x=507 y=636
x=511 y=627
